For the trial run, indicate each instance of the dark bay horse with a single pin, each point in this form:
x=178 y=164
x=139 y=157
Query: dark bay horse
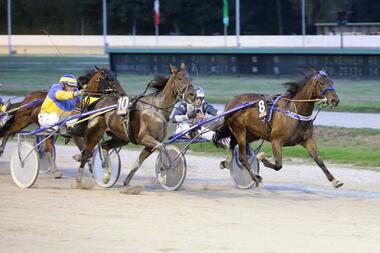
x=288 y=122
x=99 y=82
x=147 y=120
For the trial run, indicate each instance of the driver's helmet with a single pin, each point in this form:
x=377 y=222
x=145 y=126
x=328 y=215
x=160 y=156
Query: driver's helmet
x=200 y=92
x=69 y=79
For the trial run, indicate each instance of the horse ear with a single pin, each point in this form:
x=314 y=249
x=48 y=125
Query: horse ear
x=96 y=67
x=173 y=69
x=183 y=66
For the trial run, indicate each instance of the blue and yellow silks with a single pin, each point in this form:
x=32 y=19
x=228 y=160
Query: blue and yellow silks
x=60 y=101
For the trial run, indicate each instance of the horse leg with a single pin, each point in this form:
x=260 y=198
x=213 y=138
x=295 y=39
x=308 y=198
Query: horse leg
x=145 y=153
x=49 y=144
x=3 y=143
x=14 y=128
x=311 y=147
x=79 y=142
x=240 y=135
x=277 y=153
x=113 y=143
x=93 y=135
x=150 y=144
x=225 y=164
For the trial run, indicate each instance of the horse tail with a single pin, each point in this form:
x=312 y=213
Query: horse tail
x=221 y=133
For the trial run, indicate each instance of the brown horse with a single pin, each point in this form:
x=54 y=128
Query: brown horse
x=99 y=81
x=146 y=122
x=288 y=123
x=23 y=117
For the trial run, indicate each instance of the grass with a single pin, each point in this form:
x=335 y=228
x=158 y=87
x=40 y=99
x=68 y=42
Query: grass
x=22 y=74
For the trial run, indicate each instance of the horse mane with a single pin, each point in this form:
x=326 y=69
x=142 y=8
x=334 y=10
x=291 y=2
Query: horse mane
x=82 y=80
x=90 y=73
x=293 y=87
x=157 y=84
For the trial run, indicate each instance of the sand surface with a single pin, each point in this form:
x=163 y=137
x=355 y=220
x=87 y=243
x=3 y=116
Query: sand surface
x=295 y=210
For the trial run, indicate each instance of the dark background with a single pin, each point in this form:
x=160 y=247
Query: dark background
x=178 y=17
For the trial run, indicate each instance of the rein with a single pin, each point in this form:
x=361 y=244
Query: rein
x=101 y=94
x=159 y=108
x=305 y=100
x=296 y=115
x=33 y=103
x=178 y=93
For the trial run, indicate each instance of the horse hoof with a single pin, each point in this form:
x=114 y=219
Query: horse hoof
x=57 y=174
x=260 y=156
x=76 y=157
x=337 y=183
x=106 y=178
x=258 y=179
x=161 y=179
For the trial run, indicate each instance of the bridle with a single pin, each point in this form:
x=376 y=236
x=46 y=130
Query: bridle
x=106 y=87
x=180 y=92
x=323 y=101
x=321 y=74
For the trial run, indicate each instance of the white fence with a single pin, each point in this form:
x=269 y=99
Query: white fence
x=88 y=44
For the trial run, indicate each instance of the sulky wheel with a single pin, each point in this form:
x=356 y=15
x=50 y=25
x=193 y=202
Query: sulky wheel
x=25 y=165
x=239 y=175
x=171 y=168
x=106 y=167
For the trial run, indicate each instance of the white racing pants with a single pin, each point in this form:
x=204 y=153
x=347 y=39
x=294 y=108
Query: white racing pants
x=185 y=125
x=48 y=119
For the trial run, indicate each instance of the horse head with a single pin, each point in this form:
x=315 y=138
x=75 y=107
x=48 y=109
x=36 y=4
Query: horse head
x=182 y=83
x=324 y=88
x=101 y=80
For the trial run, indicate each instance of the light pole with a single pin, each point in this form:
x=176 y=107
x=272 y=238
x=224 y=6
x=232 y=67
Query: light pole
x=237 y=23
x=341 y=22
x=10 y=51
x=105 y=25
x=225 y=20
x=303 y=23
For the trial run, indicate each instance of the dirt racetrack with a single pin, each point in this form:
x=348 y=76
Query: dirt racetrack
x=296 y=210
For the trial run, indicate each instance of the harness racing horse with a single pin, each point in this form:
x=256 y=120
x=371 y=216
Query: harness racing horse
x=288 y=122
x=146 y=121
x=23 y=117
x=99 y=81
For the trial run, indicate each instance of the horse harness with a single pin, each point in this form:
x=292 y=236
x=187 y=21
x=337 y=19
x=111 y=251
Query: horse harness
x=126 y=118
x=267 y=105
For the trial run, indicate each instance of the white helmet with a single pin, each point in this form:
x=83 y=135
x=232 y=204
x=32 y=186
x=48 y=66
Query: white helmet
x=200 y=92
